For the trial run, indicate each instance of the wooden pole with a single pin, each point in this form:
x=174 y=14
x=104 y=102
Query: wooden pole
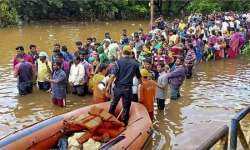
x=151 y=13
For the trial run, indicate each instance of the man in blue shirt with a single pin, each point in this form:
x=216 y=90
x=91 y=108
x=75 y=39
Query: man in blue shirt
x=59 y=82
x=24 y=71
x=123 y=73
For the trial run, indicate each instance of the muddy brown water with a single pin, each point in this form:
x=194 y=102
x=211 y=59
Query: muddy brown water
x=217 y=91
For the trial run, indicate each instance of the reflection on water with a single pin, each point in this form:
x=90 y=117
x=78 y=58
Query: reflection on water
x=217 y=91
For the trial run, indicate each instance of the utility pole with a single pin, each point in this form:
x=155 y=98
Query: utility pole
x=151 y=13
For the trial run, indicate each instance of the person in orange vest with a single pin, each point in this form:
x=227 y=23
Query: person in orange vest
x=147 y=91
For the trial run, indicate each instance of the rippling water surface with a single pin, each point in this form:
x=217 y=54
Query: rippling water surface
x=216 y=92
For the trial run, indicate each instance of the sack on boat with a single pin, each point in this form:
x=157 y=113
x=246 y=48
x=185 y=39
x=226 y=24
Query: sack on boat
x=111 y=132
x=73 y=144
x=91 y=145
x=95 y=111
x=93 y=124
x=77 y=124
x=105 y=115
x=83 y=138
x=98 y=124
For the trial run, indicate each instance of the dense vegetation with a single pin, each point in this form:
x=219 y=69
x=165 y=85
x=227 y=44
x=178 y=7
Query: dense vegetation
x=14 y=11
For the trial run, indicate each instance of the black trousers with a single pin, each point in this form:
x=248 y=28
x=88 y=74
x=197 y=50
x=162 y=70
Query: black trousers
x=78 y=90
x=124 y=93
x=189 y=71
x=135 y=98
x=160 y=103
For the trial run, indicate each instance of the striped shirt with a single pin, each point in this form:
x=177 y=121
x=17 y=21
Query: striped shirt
x=190 y=57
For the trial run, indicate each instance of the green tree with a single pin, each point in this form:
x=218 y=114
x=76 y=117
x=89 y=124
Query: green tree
x=8 y=15
x=204 y=6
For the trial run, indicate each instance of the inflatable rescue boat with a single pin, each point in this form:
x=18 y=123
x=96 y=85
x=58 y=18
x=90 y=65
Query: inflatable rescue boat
x=45 y=134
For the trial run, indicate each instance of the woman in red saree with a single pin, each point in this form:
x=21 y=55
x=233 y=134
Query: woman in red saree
x=234 y=45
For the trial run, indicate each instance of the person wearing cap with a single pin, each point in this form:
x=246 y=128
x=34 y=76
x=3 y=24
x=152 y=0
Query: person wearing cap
x=44 y=70
x=122 y=74
x=26 y=57
x=147 y=92
x=24 y=71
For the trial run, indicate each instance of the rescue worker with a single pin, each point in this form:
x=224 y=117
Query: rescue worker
x=123 y=72
x=147 y=92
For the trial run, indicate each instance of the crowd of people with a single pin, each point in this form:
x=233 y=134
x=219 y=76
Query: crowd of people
x=139 y=67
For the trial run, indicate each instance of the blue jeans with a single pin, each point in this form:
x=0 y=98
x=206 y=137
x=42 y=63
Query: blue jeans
x=174 y=92
x=25 y=87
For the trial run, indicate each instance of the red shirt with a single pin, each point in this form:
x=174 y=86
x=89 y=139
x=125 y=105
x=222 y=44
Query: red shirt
x=26 y=57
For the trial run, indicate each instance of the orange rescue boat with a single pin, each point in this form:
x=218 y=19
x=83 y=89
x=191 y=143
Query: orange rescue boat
x=45 y=134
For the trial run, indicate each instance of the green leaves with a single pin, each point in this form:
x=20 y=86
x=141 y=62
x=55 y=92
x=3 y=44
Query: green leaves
x=208 y=6
x=8 y=15
x=204 y=6
x=90 y=10
x=56 y=3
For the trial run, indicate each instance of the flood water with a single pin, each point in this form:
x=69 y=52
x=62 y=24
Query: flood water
x=217 y=91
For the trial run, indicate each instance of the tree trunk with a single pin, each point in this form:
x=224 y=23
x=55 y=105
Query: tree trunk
x=151 y=13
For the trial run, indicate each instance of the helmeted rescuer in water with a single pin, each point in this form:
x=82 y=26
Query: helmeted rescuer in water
x=123 y=72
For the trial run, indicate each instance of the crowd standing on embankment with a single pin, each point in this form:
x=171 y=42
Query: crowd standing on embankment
x=164 y=56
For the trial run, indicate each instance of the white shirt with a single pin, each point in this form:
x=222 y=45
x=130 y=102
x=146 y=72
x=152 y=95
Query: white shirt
x=237 y=24
x=135 y=85
x=76 y=75
x=224 y=26
x=112 y=51
x=103 y=83
x=231 y=24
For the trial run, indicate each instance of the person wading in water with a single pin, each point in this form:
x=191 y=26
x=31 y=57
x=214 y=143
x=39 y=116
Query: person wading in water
x=24 y=71
x=123 y=72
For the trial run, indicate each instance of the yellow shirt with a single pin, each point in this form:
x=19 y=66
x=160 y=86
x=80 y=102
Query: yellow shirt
x=173 y=39
x=98 y=94
x=182 y=26
x=42 y=71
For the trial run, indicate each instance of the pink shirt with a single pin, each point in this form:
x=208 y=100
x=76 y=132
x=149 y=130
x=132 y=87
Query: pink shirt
x=26 y=57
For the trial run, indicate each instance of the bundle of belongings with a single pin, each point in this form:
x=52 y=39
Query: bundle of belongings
x=90 y=130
